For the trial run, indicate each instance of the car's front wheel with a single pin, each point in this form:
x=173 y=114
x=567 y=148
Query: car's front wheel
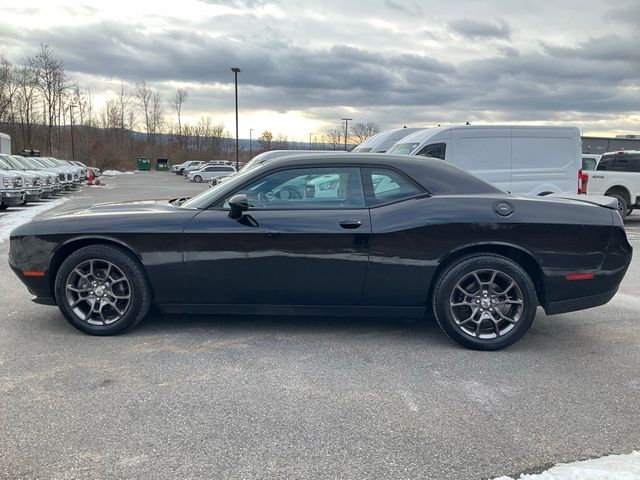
x=102 y=290
x=485 y=302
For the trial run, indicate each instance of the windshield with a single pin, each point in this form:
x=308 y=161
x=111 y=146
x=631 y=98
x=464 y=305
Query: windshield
x=403 y=148
x=14 y=164
x=20 y=161
x=207 y=195
x=4 y=164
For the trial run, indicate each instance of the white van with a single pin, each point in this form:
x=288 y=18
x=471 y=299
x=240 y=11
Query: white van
x=525 y=160
x=5 y=143
x=381 y=142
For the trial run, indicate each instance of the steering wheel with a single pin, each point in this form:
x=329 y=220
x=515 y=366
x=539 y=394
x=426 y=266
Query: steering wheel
x=289 y=193
x=265 y=198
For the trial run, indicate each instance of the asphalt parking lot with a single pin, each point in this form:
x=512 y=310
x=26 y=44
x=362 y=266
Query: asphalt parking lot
x=266 y=397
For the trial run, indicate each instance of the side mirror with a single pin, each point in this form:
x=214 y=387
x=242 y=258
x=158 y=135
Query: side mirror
x=238 y=204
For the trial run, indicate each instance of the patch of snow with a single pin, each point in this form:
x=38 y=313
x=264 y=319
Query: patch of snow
x=16 y=216
x=611 y=467
x=115 y=173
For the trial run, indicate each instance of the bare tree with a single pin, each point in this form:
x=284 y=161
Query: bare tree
x=335 y=137
x=49 y=74
x=157 y=113
x=125 y=114
x=361 y=131
x=281 y=142
x=8 y=87
x=143 y=94
x=265 y=140
x=179 y=98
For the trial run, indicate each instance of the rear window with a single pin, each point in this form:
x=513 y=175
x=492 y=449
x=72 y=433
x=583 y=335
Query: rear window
x=403 y=148
x=620 y=162
x=589 y=163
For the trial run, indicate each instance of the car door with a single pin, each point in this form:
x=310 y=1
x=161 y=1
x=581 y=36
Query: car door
x=303 y=241
x=399 y=271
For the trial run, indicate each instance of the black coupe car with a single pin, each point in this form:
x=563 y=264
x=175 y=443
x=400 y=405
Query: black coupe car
x=350 y=234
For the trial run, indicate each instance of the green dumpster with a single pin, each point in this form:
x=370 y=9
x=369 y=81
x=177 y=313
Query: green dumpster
x=144 y=165
x=162 y=165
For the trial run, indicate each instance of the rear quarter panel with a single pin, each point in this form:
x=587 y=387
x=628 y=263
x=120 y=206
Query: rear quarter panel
x=412 y=238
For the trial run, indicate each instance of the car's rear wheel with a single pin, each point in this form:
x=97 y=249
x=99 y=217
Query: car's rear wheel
x=102 y=290
x=485 y=302
x=197 y=179
x=623 y=208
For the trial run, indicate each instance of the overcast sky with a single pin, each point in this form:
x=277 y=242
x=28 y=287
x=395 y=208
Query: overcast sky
x=305 y=65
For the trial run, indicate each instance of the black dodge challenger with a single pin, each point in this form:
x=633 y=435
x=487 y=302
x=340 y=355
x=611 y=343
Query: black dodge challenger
x=350 y=234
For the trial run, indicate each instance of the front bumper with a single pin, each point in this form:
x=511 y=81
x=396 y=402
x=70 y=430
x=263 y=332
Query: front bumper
x=12 y=197
x=33 y=194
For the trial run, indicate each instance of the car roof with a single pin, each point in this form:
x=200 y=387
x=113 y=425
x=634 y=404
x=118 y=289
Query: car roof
x=435 y=175
x=622 y=152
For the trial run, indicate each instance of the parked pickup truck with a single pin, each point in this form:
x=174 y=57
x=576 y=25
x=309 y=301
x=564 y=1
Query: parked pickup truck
x=617 y=175
x=11 y=189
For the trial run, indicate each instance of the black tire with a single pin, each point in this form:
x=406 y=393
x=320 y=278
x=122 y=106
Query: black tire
x=623 y=208
x=139 y=288
x=443 y=306
x=197 y=179
x=3 y=206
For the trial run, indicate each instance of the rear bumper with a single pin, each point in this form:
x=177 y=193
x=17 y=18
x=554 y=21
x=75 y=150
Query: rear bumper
x=582 y=303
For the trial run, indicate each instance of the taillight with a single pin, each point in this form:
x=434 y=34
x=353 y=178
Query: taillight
x=583 y=179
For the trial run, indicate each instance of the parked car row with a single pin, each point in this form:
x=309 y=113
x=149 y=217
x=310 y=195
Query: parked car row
x=192 y=165
x=30 y=179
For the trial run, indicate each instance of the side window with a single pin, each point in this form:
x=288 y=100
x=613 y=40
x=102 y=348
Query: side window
x=620 y=163
x=385 y=186
x=605 y=163
x=306 y=188
x=435 y=150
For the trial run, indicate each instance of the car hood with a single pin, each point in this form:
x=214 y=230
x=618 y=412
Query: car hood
x=130 y=207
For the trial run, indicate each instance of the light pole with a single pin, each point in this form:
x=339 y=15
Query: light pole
x=251 y=142
x=346 y=131
x=73 y=150
x=310 y=133
x=235 y=71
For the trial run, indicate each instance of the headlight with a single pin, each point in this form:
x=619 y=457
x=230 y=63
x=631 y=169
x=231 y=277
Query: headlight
x=8 y=182
x=28 y=182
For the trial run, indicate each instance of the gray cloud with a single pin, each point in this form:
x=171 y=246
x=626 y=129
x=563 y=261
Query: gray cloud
x=481 y=29
x=386 y=77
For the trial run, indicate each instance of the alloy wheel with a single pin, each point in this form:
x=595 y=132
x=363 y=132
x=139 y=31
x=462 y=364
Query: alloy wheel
x=98 y=292
x=486 y=304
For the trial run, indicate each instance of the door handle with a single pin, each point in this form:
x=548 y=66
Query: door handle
x=350 y=224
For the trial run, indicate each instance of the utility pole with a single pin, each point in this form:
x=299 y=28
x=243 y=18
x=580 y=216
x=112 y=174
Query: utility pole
x=235 y=71
x=73 y=150
x=346 y=131
x=251 y=142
